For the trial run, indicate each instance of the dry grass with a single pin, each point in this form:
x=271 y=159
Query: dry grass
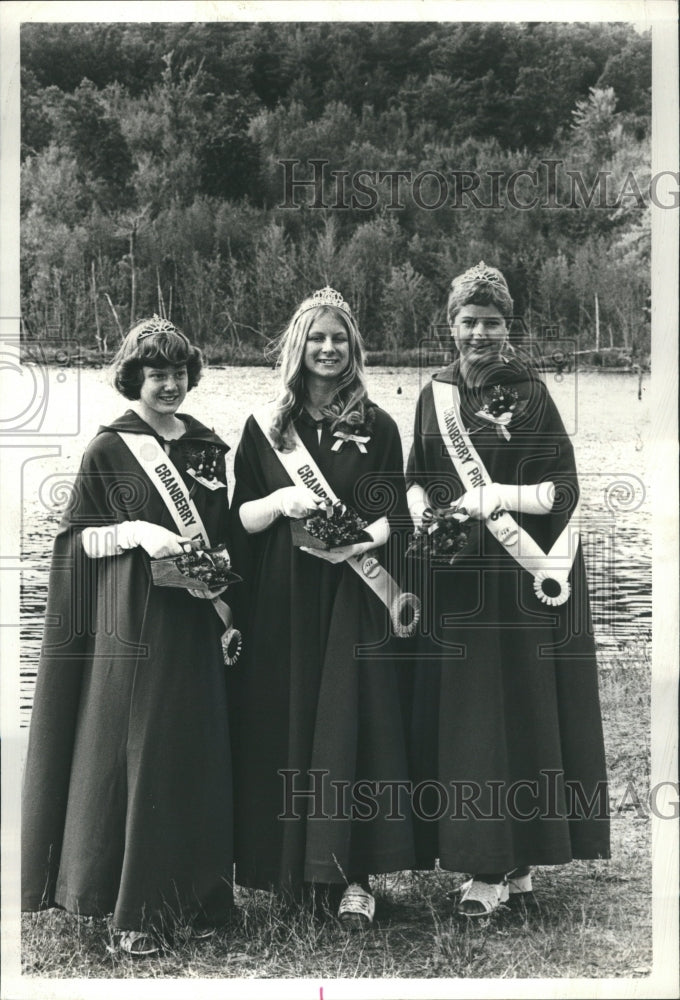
x=593 y=919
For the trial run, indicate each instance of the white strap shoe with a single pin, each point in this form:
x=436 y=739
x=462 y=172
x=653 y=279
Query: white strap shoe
x=357 y=907
x=139 y=944
x=519 y=884
x=480 y=899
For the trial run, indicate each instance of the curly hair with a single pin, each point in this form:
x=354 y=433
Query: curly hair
x=153 y=342
x=350 y=392
x=480 y=285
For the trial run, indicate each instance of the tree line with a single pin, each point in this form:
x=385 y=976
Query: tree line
x=157 y=164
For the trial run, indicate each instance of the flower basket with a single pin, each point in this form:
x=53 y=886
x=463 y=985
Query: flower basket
x=334 y=526
x=205 y=570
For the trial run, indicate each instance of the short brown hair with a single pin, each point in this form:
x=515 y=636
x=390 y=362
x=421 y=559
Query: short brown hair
x=158 y=342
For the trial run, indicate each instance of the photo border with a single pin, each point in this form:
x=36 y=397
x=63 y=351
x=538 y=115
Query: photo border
x=661 y=16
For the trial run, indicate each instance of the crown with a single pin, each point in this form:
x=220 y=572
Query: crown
x=156 y=325
x=324 y=297
x=480 y=272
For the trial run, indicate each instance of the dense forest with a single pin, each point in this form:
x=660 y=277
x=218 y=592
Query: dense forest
x=161 y=169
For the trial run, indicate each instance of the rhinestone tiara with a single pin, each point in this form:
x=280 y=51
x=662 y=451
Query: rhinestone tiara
x=324 y=297
x=157 y=325
x=480 y=272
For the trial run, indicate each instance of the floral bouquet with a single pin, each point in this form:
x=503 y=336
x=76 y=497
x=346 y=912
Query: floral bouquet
x=499 y=407
x=443 y=534
x=333 y=526
x=204 y=464
x=201 y=569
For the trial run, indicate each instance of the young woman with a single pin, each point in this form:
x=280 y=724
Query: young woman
x=316 y=703
x=127 y=794
x=506 y=713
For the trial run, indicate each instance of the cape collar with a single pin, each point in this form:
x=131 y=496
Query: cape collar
x=513 y=373
x=195 y=430
x=450 y=375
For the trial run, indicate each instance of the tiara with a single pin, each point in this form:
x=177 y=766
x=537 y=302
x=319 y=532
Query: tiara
x=324 y=297
x=480 y=272
x=157 y=325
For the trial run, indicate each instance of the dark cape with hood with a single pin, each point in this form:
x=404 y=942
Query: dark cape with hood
x=506 y=709
x=317 y=698
x=127 y=790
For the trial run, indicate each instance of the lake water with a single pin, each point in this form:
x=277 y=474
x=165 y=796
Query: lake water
x=610 y=430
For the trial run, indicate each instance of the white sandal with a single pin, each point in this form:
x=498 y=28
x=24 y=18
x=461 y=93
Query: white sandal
x=357 y=907
x=480 y=899
x=138 y=944
x=519 y=885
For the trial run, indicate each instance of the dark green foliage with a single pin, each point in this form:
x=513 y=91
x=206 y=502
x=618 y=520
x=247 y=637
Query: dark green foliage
x=96 y=141
x=152 y=176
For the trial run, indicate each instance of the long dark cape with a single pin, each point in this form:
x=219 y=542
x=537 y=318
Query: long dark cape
x=318 y=690
x=127 y=790
x=506 y=708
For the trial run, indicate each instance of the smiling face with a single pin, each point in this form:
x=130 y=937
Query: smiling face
x=163 y=390
x=479 y=333
x=326 y=353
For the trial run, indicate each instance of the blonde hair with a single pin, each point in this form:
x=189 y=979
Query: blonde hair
x=350 y=392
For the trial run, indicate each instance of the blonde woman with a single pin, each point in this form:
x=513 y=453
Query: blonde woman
x=317 y=714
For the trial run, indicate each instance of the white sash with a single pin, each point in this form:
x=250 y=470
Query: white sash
x=554 y=565
x=152 y=457
x=156 y=463
x=304 y=471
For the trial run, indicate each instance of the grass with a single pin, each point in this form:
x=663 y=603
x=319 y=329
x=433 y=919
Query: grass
x=592 y=919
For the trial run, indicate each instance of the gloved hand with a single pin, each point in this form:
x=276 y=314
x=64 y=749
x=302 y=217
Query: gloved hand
x=289 y=501
x=341 y=554
x=113 y=539
x=417 y=504
x=158 y=542
x=481 y=501
x=296 y=501
x=209 y=595
x=527 y=499
x=531 y=498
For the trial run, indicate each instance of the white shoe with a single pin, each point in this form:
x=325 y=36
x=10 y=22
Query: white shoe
x=357 y=906
x=519 y=884
x=480 y=899
x=139 y=944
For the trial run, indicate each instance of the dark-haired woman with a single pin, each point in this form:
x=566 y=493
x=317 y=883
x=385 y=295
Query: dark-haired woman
x=317 y=714
x=127 y=797
x=506 y=717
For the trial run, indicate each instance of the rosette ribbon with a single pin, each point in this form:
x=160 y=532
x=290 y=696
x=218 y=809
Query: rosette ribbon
x=404 y=608
x=343 y=437
x=232 y=641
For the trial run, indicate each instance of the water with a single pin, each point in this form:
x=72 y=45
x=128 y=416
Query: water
x=610 y=431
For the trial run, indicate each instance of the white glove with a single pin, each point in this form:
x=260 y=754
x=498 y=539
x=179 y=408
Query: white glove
x=482 y=501
x=289 y=501
x=417 y=503
x=208 y=595
x=113 y=539
x=534 y=498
